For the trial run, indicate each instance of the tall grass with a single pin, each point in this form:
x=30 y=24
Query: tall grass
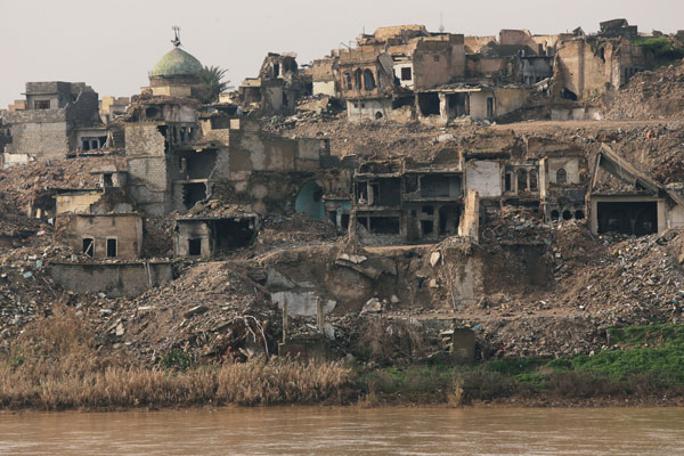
x=54 y=364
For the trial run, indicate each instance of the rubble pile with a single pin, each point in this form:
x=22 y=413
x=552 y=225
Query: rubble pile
x=654 y=94
x=641 y=282
x=514 y=226
x=213 y=310
x=21 y=184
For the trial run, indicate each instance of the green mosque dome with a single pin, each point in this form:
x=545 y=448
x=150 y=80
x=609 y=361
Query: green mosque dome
x=176 y=62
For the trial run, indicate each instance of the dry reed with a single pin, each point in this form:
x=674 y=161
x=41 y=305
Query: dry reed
x=54 y=365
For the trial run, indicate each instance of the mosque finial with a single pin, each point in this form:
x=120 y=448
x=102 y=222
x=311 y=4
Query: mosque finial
x=176 y=36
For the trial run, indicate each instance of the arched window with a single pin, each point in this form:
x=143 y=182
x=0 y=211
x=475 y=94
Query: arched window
x=348 y=81
x=522 y=180
x=561 y=176
x=534 y=183
x=357 y=79
x=368 y=80
x=508 y=182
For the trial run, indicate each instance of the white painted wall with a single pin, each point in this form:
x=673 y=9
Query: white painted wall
x=484 y=177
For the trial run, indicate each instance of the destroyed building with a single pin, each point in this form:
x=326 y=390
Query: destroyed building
x=626 y=201
x=408 y=201
x=451 y=216
x=60 y=119
x=277 y=88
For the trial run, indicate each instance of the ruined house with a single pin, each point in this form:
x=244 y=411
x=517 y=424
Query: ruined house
x=60 y=119
x=624 y=200
x=277 y=88
x=391 y=68
x=324 y=77
x=207 y=237
x=408 y=202
x=112 y=107
x=589 y=66
x=104 y=236
x=367 y=83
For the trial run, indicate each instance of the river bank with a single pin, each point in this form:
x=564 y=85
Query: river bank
x=56 y=364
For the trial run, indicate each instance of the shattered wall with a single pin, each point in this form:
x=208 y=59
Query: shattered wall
x=147 y=167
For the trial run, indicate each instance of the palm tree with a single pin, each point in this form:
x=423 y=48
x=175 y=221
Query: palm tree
x=212 y=77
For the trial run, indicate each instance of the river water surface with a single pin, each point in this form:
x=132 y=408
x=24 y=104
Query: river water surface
x=347 y=431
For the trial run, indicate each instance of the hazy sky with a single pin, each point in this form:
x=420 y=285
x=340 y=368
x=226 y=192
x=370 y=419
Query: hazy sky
x=112 y=45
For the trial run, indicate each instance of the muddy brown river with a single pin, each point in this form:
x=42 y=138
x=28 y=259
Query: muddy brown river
x=347 y=431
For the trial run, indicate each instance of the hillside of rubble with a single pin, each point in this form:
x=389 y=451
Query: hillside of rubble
x=221 y=311
x=650 y=95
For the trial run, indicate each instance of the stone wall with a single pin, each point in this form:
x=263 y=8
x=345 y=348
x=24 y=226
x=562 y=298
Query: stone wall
x=113 y=279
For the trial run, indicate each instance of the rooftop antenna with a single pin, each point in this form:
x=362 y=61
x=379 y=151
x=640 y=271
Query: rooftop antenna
x=441 y=22
x=176 y=36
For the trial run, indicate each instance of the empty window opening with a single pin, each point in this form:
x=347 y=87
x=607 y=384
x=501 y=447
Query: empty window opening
x=348 y=81
x=411 y=183
x=567 y=215
x=448 y=220
x=111 y=248
x=195 y=247
x=568 y=94
x=286 y=101
x=89 y=246
x=332 y=215
x=522 y=180
x=41 y=104
x=152 y=112
x=197 y=165
x=276 y=70
x=387 y=192
x=555 y=215
x=162 y=129
x=427 y=227
x=368 y=80
x=632 y=218
x=508 y=182
x=193 y=193
x=406 y=74
x=435 y=58
x=561 y=176
x=362 y=193
x=231 y=234
x=428 y=103
x=378 y=115
x=309 y=201
x=358 y=75
x=439 y=186
x=107 y=180
x=490 y=107
x=534 y=182
x=428 y=210
x=579 y=215
x=344 y=221
x=363 y=221
x=384 y=225
x=458 y=104
x=402 y=101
